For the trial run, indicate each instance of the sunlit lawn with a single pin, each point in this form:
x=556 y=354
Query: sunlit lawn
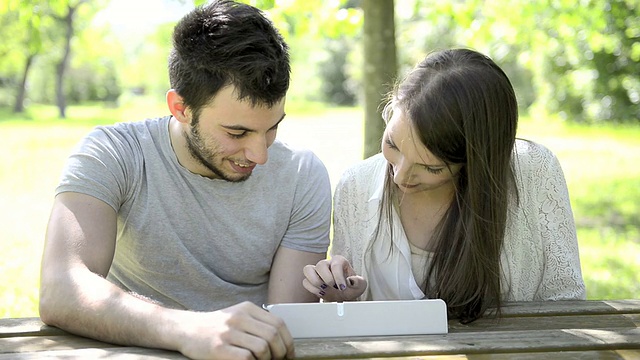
x=600 y=166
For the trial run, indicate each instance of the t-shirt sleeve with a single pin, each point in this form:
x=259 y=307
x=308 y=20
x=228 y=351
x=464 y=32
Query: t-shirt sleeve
x=101 y=166
x=311 y=214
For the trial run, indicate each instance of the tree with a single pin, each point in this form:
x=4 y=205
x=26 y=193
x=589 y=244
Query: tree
x=380 y=67
x=32 y=48
x=67 y=20
x=39 y=29
x=26 y=21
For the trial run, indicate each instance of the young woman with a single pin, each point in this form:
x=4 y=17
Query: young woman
x=455 y=207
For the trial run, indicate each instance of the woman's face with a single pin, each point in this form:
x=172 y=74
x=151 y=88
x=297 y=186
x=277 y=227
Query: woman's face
x=415 y=168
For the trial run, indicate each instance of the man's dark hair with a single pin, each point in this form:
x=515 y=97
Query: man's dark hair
x=228 y=43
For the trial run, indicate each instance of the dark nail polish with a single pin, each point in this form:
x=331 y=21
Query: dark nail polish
x=323 y=286
x=343 y=286
x=322 y=293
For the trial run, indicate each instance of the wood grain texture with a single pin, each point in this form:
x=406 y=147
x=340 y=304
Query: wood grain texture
x=471 y=343
x=533 y=330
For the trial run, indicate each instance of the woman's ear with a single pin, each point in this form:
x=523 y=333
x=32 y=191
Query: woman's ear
x=177 y=107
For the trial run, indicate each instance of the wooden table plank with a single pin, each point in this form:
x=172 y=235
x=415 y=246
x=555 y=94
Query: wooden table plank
x=119 y=353
x=26 y=327
x=34 y=327
x=561 y=355
x=528 y=330
x=571 y=307
x=450 y=344
x=44 y=343
x=549 y=323
x=470 y=343
x=151 y=354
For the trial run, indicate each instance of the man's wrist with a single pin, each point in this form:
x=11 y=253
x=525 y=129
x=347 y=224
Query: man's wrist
x=171 y=328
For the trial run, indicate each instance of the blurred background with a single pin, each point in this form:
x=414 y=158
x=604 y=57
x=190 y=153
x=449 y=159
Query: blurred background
x=68 y=65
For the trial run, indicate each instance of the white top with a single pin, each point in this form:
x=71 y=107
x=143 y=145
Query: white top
x=540 y=258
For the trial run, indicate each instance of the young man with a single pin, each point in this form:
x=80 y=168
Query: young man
x=170 y=232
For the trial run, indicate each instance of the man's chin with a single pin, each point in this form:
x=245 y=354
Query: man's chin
x=229 y=175
x=236 y=178
x=239 y=179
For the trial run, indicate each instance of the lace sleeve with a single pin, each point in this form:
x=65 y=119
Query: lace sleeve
x=562 y=276
x=352 y=221
x=341 y=244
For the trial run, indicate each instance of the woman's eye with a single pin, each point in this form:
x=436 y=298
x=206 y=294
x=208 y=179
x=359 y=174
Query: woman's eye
x=434 y=170
x=390 y=144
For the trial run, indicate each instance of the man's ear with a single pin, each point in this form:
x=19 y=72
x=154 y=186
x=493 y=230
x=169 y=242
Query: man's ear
x=177 y=107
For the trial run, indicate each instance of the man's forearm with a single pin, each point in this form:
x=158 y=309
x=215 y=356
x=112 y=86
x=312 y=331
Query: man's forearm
x=86 y=304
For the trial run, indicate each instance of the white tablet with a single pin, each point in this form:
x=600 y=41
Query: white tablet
x=363 y=318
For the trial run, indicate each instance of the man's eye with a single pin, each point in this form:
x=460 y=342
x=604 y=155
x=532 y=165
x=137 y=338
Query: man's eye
x=237 y=136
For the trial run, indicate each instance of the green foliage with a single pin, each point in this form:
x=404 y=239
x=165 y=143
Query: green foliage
x=146 y=68
x=322 y=36
x=577 y=60
x=583 y=58
x=336 y=89
x=38 y=32
x=24 y=27
x=590 y=67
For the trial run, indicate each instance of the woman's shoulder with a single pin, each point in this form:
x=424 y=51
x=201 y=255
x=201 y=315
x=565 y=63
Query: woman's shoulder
x=364 y=175
x=527 y=149
x=367 y=168
x=530 y=156
x=535 y=166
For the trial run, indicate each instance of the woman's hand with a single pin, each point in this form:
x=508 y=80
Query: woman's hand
x=334 y=280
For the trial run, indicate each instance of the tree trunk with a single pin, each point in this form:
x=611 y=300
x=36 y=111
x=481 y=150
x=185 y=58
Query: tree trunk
x=22 y=89
x=61 y=67
x=380 y=67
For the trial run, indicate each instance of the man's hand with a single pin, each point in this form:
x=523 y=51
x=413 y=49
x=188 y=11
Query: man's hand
x=334 y=280
x=242 y=331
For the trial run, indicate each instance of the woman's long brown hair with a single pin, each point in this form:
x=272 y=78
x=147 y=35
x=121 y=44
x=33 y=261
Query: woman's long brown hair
x=464 y=110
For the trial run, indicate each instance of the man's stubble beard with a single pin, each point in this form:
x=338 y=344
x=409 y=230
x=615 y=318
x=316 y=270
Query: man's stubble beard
x=199 y=151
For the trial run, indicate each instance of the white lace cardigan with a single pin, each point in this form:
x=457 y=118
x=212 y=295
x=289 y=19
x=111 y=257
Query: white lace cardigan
x=540 y=258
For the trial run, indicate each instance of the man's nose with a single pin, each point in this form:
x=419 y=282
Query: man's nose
x=256 y=151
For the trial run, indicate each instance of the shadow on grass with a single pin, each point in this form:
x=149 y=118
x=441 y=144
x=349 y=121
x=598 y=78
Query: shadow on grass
x=624 y=284
x=87 y=114
x=42 y=115
x=614 y=204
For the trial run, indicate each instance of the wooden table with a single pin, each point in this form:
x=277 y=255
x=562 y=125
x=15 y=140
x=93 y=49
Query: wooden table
x=534 y=330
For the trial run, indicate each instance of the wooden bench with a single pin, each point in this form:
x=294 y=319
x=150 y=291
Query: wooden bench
x=526 y=330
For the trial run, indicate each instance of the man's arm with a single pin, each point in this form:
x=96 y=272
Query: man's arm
x=75 y=296
x=285 y=281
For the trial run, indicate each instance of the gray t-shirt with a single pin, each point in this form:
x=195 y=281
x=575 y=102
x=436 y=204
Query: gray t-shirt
x=192 y=242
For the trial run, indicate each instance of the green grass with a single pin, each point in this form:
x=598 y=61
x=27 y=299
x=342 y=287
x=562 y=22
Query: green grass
x=600 y=165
